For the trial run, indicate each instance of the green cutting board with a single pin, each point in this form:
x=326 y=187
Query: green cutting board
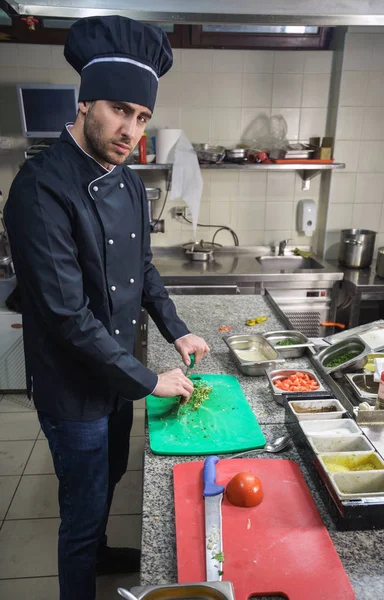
x=223 y=423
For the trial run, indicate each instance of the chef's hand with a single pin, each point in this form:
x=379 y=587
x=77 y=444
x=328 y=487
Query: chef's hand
x=173 y=383
x=191 y=344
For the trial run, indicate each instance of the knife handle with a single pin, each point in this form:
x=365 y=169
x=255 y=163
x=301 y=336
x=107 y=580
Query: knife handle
x=192 y=363
x=211 y=488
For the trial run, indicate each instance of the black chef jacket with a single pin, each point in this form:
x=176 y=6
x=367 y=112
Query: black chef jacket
x=80 y=241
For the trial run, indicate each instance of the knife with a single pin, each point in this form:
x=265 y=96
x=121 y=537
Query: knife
x=213 y=496
x=190 y=366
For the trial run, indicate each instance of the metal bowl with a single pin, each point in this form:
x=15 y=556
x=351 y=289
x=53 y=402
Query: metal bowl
x=207 y=153
x=283 y=374
x=294 y=350
x=240 y=345
x=352 y=344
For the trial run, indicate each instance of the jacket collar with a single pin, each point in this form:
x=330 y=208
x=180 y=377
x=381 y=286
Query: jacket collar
x=80 y=158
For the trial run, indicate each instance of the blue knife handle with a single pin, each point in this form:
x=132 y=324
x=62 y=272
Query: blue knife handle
x=211 y=488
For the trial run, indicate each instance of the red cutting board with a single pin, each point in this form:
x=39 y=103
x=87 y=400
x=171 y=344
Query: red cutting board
x=278 y=547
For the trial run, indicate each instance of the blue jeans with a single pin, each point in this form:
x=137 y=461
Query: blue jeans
x=89 y=458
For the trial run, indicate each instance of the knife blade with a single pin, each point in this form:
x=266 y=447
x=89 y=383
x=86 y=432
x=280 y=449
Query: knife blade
x=213 y=496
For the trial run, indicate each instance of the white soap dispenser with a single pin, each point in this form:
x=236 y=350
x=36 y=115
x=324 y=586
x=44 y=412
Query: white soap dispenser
x=306 y=217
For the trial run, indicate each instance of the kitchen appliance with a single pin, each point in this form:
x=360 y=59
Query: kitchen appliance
x=156 y=225
x=279 y=547
x=36 y=120
x=380 y=262
x=356 y=248
x=224 y=423
x=213 y=497
x=200 y=251
x=305 y=309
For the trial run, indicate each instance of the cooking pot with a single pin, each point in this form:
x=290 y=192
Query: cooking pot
x=202 y=251
x=356 y=248
x=380 y=262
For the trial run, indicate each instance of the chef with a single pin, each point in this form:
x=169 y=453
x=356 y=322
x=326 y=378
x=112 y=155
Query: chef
x=77 y=219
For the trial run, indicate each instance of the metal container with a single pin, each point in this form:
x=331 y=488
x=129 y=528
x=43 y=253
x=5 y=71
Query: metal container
x=207 y=153
x=219 y=590
x=294 y=350
x=236 y=155
x=380 y=262
x=353 y=344
x=200 y=251
x=240 y=345
x=304 y=409
x=349 y=443
x=277 y=393
x=356 y=248
x=153 y=193
x=364 y=385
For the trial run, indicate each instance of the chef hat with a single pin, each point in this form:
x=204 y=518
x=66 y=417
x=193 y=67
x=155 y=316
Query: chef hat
x=118 y=59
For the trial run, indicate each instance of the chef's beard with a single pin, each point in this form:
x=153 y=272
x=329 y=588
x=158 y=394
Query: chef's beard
x=98 y=146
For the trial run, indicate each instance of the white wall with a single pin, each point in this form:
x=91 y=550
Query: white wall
x=214 y=95
x=357 y=194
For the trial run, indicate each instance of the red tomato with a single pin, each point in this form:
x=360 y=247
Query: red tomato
x=245 y=490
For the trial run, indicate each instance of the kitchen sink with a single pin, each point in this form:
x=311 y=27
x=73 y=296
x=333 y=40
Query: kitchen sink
x=277 y=263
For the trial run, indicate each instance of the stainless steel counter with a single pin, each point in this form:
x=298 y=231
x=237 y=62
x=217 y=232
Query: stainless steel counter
x=232 y=265
x=360 y=288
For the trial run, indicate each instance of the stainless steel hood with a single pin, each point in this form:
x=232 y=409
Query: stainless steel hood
x=279 y=12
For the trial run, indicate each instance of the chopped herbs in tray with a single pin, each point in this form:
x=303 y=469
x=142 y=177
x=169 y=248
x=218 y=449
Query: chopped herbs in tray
x=341 y=359
x=287 y=342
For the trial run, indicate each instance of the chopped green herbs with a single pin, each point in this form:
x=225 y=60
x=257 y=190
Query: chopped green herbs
x=201 y=392
x=221 y=573
x=287 y=342
x=219 y=557
x=341 y=359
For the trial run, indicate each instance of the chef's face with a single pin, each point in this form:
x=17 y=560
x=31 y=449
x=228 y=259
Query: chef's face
x=112 y=129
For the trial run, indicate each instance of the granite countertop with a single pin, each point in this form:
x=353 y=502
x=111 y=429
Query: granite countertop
x=360 y=551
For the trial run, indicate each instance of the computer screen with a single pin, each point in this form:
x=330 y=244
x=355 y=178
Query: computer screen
x=46 y=108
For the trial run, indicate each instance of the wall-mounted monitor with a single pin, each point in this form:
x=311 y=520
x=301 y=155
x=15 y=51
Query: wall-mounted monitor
x=46 y=108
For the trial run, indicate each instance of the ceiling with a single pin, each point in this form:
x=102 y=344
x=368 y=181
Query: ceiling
x=279 y=12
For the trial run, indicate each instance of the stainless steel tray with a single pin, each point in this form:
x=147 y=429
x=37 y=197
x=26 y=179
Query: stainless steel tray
x=294 y=350
x=220 y=590
x=359 y=331
x=284 y=373
x=239 y=344
x=348 y=345
x=352 y=377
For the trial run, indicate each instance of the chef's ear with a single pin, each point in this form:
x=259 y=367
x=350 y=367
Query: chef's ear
x=84 y=107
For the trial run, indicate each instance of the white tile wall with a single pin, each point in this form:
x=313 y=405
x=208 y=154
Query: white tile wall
x=357 y=196
x=218 y=96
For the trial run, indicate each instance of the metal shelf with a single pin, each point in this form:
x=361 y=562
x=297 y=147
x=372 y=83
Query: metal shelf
x=308 y=171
